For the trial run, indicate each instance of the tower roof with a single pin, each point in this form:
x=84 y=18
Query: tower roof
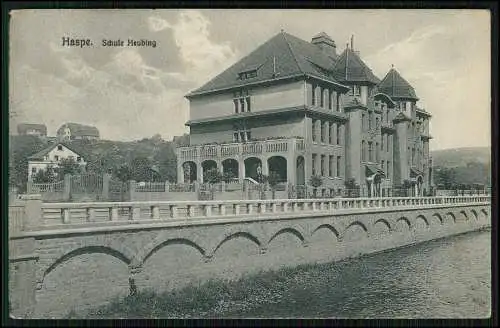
x=282 y=56
x=396 y=86
x=351 y=68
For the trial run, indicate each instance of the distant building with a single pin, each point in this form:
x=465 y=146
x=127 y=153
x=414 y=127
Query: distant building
x=26 y=129
x=52 y=156
x=299 y=109
x=75 y=131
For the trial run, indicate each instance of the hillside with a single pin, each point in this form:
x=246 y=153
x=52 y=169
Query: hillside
x=101 y=155
x=460 y=157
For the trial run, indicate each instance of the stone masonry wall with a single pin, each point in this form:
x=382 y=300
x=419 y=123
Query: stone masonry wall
x=87 y=269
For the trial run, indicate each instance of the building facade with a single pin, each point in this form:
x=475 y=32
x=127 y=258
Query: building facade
x=25 y=129
x=75 y=131
x=298 y=109
x=52 y=156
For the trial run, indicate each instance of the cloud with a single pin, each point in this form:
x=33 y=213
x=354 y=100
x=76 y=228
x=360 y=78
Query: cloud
x=203 y=57
x=157 y=24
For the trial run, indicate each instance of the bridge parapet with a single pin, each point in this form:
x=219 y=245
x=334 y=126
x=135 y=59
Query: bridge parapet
x=66 y=215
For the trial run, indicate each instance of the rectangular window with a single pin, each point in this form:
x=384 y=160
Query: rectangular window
x=56 y=157
x=78 y=159
x=370 y=151
x=241 y=100
x=331 y=134
x=330 y=165
x=33 y=170
x=338 y=166
x=357 y=90
x=331 y=98
x=383 y=166
x=338 y=134
x=314 y=164
x=236 y=107
x=313 y=130
x=363 y=151
x=338 y=103
x=236 y=137
x=313 y=99
x=322 y=132
x=363 y=122
x=322 y=165
x=382 y=142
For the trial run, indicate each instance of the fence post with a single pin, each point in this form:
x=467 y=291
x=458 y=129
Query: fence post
x=67 y=187
x=105 y=185
x=131 y=190
x=29 y=186
x=22 y=262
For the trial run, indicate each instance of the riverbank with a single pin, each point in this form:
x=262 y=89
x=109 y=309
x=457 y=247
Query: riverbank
x=441 y=278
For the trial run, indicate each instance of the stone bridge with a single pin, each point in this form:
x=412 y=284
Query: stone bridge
x=66 y=256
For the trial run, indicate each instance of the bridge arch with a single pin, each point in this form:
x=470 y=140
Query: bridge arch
x=239 y=234
x=293 y=231
x=328 y=227
x=451 y=216
x=155 y=246
x=474 y=213
x=384 y=222
x=125 y=257
x=439 y=217
x=405 y=221
x=423 y=218
x=465 y=215
x=485 y=214
x=353 y=226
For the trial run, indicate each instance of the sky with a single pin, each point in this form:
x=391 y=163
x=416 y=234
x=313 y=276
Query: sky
x=134 y=93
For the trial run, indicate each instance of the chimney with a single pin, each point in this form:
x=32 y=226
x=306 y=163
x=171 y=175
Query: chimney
x=352 y=45
x=325 y=43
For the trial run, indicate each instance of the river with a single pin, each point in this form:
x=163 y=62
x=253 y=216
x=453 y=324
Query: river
x=447 y=278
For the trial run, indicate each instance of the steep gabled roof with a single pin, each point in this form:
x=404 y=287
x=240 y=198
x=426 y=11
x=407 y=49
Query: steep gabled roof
x=349 y=67
x=282 y=56
x=80 y=129
x=395 y=86
x=41 y=154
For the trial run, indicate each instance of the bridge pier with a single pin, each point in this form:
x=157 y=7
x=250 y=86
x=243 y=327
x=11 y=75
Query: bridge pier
x=23 y=257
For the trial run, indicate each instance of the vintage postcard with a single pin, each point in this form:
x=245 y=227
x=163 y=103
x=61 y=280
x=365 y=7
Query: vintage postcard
x=232 y=163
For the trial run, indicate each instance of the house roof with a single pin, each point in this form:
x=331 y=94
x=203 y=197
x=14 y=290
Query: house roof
x=414 y=172
x=373 y=169
x=350 y=68
x=22 y=127
x=284 y=55
x=80 y=129
x=396 y=86
x=41 y=154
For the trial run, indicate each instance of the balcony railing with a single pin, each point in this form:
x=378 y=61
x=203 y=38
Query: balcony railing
x=247 y=148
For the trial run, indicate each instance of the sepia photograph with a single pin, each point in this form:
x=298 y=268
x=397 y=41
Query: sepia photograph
x=249 y=163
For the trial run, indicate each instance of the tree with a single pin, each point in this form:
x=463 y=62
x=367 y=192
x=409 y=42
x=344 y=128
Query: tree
x=141 y=169
x=45 y=176
x=406 y=186
x=351 y=186
x=315 y=181
x=212 y=176
x=68 y=166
